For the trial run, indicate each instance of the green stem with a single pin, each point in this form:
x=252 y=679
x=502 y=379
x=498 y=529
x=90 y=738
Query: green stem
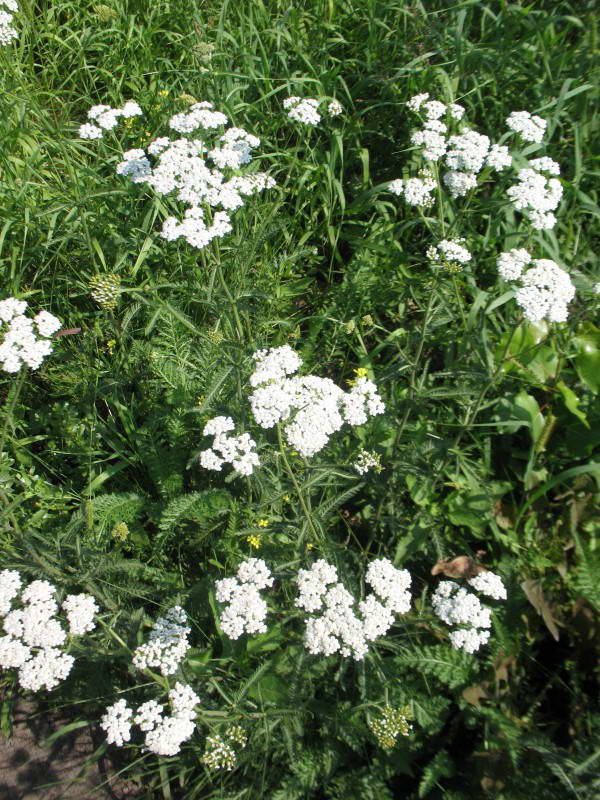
x=299 y=492
x=14 y=393
x=236 y=316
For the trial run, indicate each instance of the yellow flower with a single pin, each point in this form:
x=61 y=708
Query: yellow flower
x=163 y=93
x=286 y=498
x=253 y=541
x=263 y=523
x=309 y=546
x=361 y=372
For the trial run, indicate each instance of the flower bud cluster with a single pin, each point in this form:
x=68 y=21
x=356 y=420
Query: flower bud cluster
x=239 y=451
x=7 y=32
x=366 y=461
x=311 y=407
x=245 y=611
x=33 y=636
x=454 y=605
x=25 y=341
x=104 y=290
x=106 y=118
x=339 y=628
x=164 y=733
x=219 y=753
x=167 y=644
x=393 y=722
x=546 y=289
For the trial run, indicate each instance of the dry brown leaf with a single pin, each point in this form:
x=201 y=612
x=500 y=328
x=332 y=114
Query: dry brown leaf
x=535 y=595
x=473 y=695
x=459 y=567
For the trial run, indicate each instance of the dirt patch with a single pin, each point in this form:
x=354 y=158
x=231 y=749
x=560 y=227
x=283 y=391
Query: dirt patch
x=29 y=770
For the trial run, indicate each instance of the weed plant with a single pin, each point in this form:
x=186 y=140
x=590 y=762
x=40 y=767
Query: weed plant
x=486 y=455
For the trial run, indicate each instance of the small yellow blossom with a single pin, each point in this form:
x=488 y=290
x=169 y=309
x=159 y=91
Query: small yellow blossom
x=263 y=523
x=286 y=498
x=254 y=541
x=361 y=372
x=163 y=93
x=309 y=546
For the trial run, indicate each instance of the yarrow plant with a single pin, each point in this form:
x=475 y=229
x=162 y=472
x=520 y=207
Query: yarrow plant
x=220 y=753
x=34 y=636
x=454 y=605
x=339 y=628
x=245 y=610
x=198 y=171
x=25 y=340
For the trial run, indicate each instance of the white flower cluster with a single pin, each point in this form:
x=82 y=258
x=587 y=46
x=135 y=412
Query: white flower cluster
x=366 y=461
x=465 y=154
x=416 y=191
x=313 y=408
x=196 y=172
x=449 y=251
x=454 y=605
x=433 y=108
x=21 y=344
x=530 y=127
x=33 y=636
x=306 y=109
x=246 y=610
x=546 y=289
x=536 y=195
x=164 y=733
x=339 y=628
x=490 y=584
x=7 y=32
x=167 y=644
x=105 y=118
x=235 y=450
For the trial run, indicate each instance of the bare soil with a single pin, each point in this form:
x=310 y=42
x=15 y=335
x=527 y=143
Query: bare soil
x=29 y=770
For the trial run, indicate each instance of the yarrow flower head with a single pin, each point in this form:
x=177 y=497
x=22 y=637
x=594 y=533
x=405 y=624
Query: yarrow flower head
x=104 y=290
x=530 y=127
x=25 y=340
x=304 y=110
x=546 y=289
x=167 y=644
x=454 y=605
x=449 y=254
x=239 y=451
x=335 y=108
x=7 y=33
x=245 y=610
x=537 y=197
x=339 y=628
x=416 y=191
x=311 y=408
x=105 y=118
x=33 y=636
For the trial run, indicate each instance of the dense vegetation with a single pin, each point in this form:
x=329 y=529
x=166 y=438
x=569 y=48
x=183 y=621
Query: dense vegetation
x=488 y=446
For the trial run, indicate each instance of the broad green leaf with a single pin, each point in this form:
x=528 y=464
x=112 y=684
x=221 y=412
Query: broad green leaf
x=587 y=361
x=572 y=402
